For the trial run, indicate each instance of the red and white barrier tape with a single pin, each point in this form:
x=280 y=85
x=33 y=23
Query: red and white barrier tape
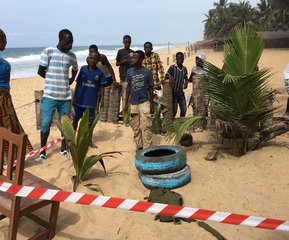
x=32 y=153
x=142 y=206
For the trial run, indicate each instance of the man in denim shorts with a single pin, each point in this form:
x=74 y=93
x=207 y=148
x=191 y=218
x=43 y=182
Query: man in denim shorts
x=286 y=79
x=54 y=68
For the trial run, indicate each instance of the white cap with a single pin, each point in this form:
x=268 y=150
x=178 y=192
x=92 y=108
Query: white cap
x=201 y=55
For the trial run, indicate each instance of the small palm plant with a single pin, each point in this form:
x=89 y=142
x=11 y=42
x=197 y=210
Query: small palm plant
x=79 y=143
x=157 y=120
x=126 y=117
x=240 y=91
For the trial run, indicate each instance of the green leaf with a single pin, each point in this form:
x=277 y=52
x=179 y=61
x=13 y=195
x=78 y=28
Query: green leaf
x=88 y=164
x=68 y=129
x=83 y=125
x=180 y=126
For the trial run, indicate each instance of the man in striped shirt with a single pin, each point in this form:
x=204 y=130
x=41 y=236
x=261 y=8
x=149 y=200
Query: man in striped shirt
x=54 y=68
x=178 y=75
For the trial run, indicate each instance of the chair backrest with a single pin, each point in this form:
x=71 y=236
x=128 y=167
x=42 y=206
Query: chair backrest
x=12 y=151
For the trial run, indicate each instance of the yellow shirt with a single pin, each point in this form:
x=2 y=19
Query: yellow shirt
x=154 y=63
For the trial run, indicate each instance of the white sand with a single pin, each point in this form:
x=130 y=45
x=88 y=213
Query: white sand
x=255 y=184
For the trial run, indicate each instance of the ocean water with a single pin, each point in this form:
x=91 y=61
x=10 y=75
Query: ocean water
x=24 y=61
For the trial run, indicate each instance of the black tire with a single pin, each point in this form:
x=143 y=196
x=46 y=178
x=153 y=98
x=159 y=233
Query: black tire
x=160 y=160
x=169 y=180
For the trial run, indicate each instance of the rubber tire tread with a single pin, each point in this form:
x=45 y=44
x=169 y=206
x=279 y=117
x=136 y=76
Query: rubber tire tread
x=160 y=165
x=170 y=180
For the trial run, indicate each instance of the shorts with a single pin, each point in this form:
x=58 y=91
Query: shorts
x=287 y=85
x=48 y=107
x=79 y=111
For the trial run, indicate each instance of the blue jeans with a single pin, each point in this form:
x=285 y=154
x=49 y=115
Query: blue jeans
x=179 y=99
x=48 y=109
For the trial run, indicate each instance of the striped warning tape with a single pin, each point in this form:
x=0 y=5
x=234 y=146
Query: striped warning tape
x=142 y=206
x=33 y=153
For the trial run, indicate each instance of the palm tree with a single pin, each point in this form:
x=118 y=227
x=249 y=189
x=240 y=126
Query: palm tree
x=238 y=92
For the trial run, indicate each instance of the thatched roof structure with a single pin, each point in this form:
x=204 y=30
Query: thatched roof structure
x=279 y=39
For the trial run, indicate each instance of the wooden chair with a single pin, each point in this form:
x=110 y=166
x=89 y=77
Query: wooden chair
x=15 y=207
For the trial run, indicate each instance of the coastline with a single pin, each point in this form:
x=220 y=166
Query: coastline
x=255 y=184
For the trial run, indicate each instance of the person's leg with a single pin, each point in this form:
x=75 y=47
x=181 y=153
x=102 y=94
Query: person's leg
x=135 y=125
x=183 y=104
x=146 y=124
x=78 y=114
x=48 y=107
x=91 y=119
x=63 y=108
x=123 y=93
x=175 y=104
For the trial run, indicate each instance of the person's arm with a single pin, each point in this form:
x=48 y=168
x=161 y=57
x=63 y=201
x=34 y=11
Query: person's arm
x=186 y=81
x=151 y=92
x=73 y=101
x=127 y=94
x=105 y=62
x=160 y=68
x=41 y=71
x=73 y=75
x=101 y=98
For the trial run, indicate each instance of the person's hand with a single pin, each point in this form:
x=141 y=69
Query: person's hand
x=73 y=101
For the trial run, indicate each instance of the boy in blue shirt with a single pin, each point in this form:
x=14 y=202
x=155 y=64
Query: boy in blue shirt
x=90 y=82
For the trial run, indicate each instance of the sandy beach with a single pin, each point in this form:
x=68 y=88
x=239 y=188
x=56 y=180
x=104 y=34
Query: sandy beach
x=255 y=184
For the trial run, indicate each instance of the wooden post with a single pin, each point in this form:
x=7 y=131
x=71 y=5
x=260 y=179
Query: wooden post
x=168 y=105
x=168 y=61
x=38 y=97
x=114 y=103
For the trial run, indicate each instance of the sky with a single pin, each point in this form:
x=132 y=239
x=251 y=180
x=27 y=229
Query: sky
x=36 y=23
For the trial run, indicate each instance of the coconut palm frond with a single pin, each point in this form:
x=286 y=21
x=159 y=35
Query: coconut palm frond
x=240 y=92
x=180 y=126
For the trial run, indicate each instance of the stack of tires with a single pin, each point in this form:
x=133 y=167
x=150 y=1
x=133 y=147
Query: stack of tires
x=163 y=167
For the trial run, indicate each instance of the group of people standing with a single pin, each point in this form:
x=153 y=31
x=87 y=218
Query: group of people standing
x=140 y=73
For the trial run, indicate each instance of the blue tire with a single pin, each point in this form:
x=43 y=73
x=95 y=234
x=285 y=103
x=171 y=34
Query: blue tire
x=169 y=180
x=160 y=159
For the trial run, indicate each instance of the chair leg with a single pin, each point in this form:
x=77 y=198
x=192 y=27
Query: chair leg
x=13 y=223
x=53 y=219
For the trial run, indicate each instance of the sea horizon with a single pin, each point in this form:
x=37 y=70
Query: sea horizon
x=25 y=60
